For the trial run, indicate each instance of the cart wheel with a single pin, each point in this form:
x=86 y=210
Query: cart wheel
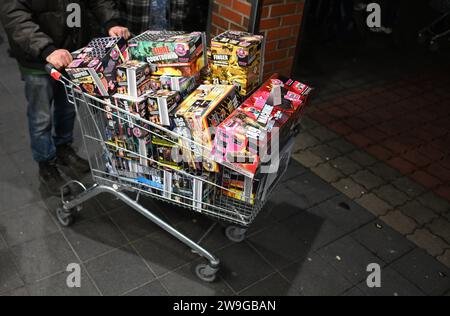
x=206 y=273
x=422 y=38
x=65 y=218
x=235 y=234
x=434 y=46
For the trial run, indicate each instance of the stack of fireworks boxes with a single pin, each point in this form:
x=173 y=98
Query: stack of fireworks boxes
x=237 y=58
x=175 y=60
x=151 y=87
x=255 y=133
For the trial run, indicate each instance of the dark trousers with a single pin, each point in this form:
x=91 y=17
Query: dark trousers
x=51 y=117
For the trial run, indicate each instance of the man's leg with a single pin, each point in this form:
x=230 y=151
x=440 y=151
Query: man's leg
x=40 y=95
x=64 y=118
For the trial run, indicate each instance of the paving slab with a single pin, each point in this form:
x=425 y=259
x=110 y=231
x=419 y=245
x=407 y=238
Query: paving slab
x=392 y=284
x=95 y=237
x=421 y=214
x=183 y=282
x=57 y=286
x=315 y=277
x=273 y=286
x=425 y=272
x=162 y=253
x=243 y=266
x=383 y=241
x=26 y=224
x=311 y=189
x=342 y=212
x=374 y=204
x=9 y=276
x=43 y=257
x=154 y=288
x=350 y=258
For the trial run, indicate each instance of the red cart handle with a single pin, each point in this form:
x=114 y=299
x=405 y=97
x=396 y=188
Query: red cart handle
x=53 y=72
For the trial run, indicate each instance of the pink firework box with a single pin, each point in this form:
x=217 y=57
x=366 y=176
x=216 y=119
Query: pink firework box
x=244 y=139
x=93 y=68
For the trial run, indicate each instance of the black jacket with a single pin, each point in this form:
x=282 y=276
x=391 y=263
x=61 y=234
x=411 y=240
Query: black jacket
x=36 y=28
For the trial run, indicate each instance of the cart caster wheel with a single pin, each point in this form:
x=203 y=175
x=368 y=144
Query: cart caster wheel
x=235 y=234
x=206 y=273
x=65 y=218
x=434 y=46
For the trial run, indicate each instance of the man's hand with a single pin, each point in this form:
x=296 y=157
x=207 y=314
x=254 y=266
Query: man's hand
x=119 y=31
x=60 y=58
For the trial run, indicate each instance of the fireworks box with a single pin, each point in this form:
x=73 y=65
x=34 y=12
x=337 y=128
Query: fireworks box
x=188 y=190
x=200 y=114
x=161 y=105
x=245 y=79
x=184 y=85
x=94 y=67
x=191 y=69
x=236 y=58
x=167 y=153
x=125 y=133
x=238 y=187
x=244 y=140
x=134 y=79
x=164 y=47
x=236 y=49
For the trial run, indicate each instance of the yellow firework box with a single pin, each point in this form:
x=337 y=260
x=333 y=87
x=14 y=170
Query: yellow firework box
x=199 y=115
x=236 y=58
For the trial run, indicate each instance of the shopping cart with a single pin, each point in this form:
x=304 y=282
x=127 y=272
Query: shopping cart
x=439 y=29
x=136 y=175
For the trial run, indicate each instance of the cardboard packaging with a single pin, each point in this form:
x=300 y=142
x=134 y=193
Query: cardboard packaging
x=245 y=79
x=184 y=85
x=236 y=58
x=164 y=47
x=236 y=49
x=244 y=140
x=94 y=67
x=191 y=69
x=134 y=79
x=199 y=115
x=167 y=153
x=161 y=105
x=125 y=133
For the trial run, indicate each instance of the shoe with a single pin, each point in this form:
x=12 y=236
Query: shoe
x=66 y=156
x=51 y=178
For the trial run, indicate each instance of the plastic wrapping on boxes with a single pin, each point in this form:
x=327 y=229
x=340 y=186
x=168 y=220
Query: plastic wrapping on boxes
x=94 y=67
x=244 y=139
x=199 y=114
x=236 y=58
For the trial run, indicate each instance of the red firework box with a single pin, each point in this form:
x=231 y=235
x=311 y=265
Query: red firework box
x=94 y=67
x=266 y=119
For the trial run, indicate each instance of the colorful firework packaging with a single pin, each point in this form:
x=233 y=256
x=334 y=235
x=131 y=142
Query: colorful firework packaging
x=200 y=114
x=94 y=67
x=134 y=79
x=163 y=47
x=236 y=58
x=243 y=140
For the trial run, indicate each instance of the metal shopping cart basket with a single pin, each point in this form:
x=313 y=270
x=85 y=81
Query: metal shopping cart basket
x=138 y=174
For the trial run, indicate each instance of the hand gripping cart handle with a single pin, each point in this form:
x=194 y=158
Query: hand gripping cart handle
x=66 y=214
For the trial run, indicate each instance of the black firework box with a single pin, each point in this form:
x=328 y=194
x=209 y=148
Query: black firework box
x=94 y=67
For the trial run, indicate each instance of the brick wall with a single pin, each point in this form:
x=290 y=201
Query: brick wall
x=280 y=22
x=230 y=15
